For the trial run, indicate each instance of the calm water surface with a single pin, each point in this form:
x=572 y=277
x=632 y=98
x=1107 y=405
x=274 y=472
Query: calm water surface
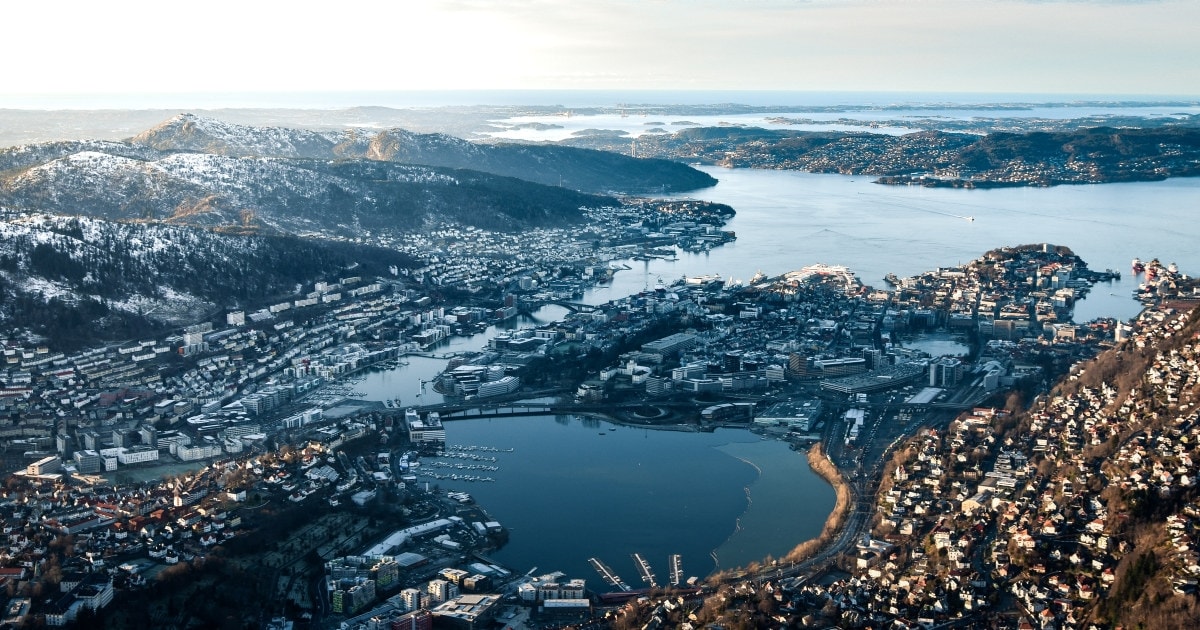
x=575 y=488
x=786 y=220
x=636 y=120
x=569 y=493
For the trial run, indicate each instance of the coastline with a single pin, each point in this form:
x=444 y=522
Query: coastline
x=779 y=506
x=825 y=469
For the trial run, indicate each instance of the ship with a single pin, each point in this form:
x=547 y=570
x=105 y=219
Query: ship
x=705 y=279
x=1153 y=268
x=892 y=280
x=1138 y=267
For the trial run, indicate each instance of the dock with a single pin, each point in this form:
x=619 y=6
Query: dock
x=675 y=562
x=644 y=569
x=607 y=574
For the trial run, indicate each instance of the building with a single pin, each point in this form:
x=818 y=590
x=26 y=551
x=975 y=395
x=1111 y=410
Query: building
x=499 y=387
x=691 y=370
x=455 y=576
x=945 y=372
x=427 y=432
x=657 y=386
x=831 y=368
x=88 y=462
x=45 y=466
x=202 y=451
x=797 y=416
x=414 y=620
x=466 y=612
x=137 y=455
x=566 y=609
x=732 y=362
x=440 y=591
x=798 y=365
x=412 y=599
x=887 y=377
x=670 y=344
x=387 y=572
x=728 y=412
x=350 y=595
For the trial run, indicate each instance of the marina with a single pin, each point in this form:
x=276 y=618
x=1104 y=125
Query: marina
x=874 y=233
x=607 y=574
x=560 y=469
x=454 y=477
x=643 y=568
x=675 y=564
x=442 y=468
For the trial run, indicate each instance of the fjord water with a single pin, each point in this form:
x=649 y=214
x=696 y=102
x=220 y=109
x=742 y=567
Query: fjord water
x=786 y=220
x=575 y=488
x=568 y=493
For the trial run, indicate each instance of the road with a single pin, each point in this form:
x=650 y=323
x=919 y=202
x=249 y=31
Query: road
x=862 y=468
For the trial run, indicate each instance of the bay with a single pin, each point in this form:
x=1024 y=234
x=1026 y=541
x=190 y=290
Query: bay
x=410 y=384
x=575 y=488
x=570 y=494
x=788 y=219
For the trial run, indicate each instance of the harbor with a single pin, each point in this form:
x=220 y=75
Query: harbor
x=675 y=562
x=552 y=473
x=610 y=577
x=643 y=568
x=607 y=574
x=458 y=462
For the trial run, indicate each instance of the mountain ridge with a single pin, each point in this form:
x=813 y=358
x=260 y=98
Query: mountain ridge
x=586 y=170
x=74 y=280
x=296 y=196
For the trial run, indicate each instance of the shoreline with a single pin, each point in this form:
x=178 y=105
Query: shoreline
x=826 y=470
x=779 y=508
x=737 y=522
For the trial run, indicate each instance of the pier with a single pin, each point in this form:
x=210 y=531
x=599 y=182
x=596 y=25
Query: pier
x=644 y=569
x=675 y=564
x=606 y=573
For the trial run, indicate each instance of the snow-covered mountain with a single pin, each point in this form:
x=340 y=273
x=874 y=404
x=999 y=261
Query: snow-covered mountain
x=197 y=134
x=103 y=239
x=79 y=279
x=297 y=196
x=575 y=168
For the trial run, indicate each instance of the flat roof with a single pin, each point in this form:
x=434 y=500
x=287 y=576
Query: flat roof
x=924 y=397
x=793 y=409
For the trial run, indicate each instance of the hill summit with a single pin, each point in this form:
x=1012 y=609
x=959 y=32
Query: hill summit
x=585 y=170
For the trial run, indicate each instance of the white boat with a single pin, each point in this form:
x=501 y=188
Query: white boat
x=705 y=279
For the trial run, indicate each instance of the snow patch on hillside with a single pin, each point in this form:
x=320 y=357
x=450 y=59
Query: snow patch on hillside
x=173 y=307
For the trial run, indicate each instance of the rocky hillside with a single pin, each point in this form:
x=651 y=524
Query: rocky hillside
x=340 y=198
x=937 y=158
x=102 y=239
x=1083 y=509
x=575 y=168
x=76 y=279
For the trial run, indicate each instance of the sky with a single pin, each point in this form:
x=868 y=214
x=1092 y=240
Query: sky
x=990 y=46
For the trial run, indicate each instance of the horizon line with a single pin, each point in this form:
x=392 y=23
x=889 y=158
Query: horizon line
x=568 y=97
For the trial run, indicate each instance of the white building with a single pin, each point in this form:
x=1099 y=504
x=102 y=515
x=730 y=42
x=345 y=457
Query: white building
x=137 y=455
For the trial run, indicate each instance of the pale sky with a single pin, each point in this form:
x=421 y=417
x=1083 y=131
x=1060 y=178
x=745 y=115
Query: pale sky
x=1077 y=46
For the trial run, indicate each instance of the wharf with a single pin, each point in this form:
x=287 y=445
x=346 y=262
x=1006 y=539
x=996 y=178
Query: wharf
x=606 y=573
x=644 y=569
x=675 y=563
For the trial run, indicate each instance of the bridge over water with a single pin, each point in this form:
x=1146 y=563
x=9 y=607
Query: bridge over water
x=467 y=410
x=574 y=307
